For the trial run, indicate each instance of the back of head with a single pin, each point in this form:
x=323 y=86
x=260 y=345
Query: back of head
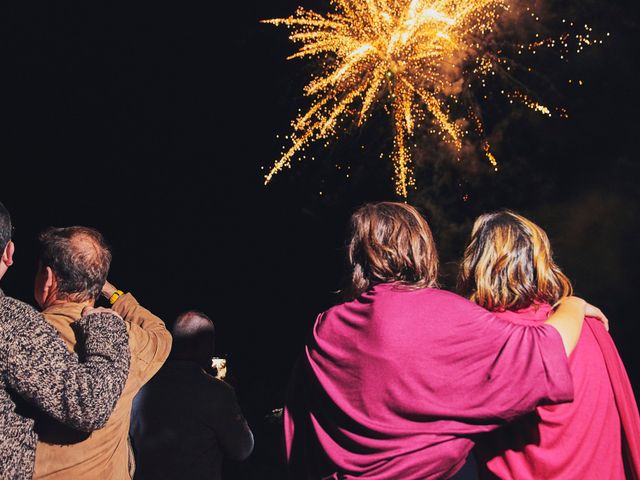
x=193 y=338
x=508 y=264
x=5 y=227
x=80 y=259
x=390 y=243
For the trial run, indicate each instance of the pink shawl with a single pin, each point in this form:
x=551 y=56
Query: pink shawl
x=625 y=401
x=393 y=384
x=564 y=441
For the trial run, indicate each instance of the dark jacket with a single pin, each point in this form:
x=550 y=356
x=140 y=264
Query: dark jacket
x=183 y=422
x=36 y=365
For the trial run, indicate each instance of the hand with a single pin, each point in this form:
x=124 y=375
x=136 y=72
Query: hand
x=595 y=312
x=589 y=310
x=108 y=290
x=91 y=310
x=572 y=301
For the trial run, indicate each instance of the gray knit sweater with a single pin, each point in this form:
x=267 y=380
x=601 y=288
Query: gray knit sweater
x=36 y=365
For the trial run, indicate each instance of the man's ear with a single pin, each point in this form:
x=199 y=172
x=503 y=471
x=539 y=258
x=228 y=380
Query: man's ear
x=7 y=255
x=50 y=283
x=44 y=286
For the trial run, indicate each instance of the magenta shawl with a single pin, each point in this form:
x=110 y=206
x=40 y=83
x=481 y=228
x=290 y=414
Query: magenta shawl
x=625 y=400
x=393 y=384
x=577 y=440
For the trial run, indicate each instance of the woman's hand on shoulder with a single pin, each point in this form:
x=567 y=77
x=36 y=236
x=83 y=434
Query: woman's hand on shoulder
x=595 y=312
x=589 y=310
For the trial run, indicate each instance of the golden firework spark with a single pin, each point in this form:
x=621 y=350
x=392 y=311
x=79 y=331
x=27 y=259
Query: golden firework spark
x=413 y=56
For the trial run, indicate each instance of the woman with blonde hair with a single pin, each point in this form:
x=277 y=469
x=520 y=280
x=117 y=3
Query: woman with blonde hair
x=394 y=383
x=508 y=269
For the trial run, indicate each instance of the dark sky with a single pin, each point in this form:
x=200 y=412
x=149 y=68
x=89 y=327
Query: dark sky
x=151 y=123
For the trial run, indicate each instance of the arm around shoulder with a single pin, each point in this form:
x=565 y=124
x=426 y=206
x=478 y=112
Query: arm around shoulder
x=515 y=367
x=41 y=369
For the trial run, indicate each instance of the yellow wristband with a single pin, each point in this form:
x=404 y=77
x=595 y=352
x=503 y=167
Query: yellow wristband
x=115 y=296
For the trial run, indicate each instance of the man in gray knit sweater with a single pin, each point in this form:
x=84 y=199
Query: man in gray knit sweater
x=36 y=365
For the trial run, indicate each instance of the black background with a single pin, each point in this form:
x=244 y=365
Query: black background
x=153 y=123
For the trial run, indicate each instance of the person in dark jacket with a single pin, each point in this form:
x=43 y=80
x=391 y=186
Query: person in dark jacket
x=185 y=421
x=36 y=366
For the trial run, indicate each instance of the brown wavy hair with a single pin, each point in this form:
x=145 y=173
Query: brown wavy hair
x=508 y=264
x=390 y=243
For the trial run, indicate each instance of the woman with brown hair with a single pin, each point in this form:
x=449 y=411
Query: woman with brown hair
x=394 y=382
x=508 y=269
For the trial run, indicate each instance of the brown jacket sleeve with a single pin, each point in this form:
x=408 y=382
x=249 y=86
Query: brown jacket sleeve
x=149 y=339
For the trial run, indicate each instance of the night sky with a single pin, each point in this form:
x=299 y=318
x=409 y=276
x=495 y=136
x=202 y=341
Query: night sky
x=152 y=123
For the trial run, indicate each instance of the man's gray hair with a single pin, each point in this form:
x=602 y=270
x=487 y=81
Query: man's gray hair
x=80 y=259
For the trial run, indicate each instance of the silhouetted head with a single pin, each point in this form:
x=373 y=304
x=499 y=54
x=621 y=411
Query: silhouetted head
x=390 y=243
x=193 y=338
x=508 y=264
x=73 y=265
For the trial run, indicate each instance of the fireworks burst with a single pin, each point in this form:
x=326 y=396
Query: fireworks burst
x=417 y=58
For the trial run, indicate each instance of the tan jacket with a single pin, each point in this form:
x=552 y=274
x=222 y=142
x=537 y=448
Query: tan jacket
x=65 y=454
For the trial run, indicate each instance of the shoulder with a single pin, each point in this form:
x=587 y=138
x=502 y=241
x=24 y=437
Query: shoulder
x=216 y=395
x=11 y=305
x=218 y=391
x=15 y=312
x=219 y=386
x=437 y=294
x=444 y=313
x=452 y=303
x=24 y=326
x=430 y=300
